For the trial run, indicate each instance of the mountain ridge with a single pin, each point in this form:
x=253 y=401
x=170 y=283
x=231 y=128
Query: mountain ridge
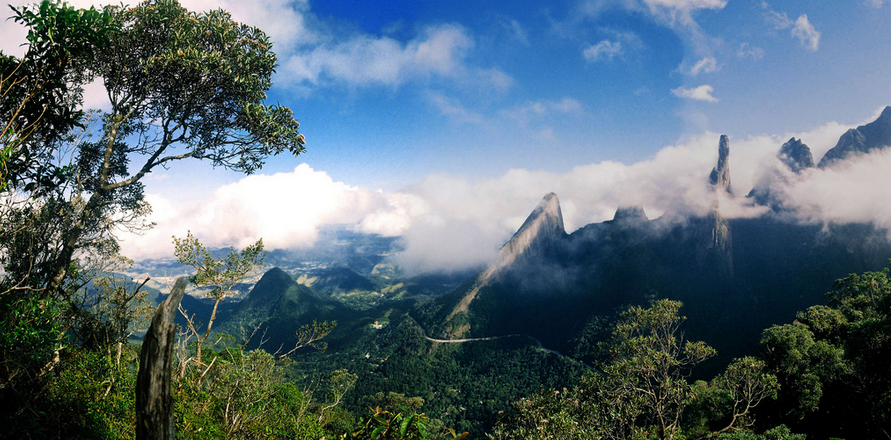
x=542 y=227
x=736 y=269
x=861 y=140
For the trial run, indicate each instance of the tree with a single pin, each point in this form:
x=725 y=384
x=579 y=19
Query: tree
x=308 y=335
x=729 y=400
x=340 y=383
x=221 y=274
x=650 y=361
x=182 y=85
x=40 y=93
x=802 y=364
x=641 y=387
x=832 y=361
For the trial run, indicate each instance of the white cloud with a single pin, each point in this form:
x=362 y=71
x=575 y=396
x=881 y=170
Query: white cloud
x=875 y=3
x=806 y=33
x=311 y=53
x=675 y=13
x=501 y=81
x=779 y=20
x=449 y=222
x=688 y=4
x=747 y=51
x=605 y=49
x=681 y=11
x=847 y=193
x=284 y=209
x=367 y=59
x=705 y=65
x=801 y=28
x=516 y=30
x=701 y=93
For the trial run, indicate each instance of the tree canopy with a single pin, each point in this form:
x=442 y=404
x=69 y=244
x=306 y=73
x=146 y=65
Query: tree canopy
x=181 y=85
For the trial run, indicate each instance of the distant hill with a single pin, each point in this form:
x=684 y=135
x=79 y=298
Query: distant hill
x=279 y=306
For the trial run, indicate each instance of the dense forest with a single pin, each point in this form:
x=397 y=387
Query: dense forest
x=69 y=326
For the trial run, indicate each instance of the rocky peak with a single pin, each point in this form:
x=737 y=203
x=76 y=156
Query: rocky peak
x=630 y=214
x=720 y=175
x=545 y=223
x=796 y=155
x=861 y=140
x=539 y=233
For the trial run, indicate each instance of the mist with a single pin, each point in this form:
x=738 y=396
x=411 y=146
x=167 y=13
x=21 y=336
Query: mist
x=449 y=222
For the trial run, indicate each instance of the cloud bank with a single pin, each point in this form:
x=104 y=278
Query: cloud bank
x=450 y=222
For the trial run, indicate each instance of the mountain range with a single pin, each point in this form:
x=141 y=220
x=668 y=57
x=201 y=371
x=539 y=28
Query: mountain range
x=549 y=297
x=736 y=276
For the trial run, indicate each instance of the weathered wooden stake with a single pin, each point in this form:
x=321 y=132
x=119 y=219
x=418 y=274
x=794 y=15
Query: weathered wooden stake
x=154 y=403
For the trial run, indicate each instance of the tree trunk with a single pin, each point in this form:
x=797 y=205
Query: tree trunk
x=154 y=403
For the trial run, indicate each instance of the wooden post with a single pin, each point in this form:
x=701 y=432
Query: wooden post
x=154 y=403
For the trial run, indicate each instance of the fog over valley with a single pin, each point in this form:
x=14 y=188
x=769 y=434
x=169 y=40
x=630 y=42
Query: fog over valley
x=450 y=221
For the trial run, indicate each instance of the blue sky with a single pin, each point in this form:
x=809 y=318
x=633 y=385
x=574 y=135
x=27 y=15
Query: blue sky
x=552 y=85
x=446 y=121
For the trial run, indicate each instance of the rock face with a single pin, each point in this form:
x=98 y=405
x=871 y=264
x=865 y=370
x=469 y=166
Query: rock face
x=796 y=155
x=630 y=214
x=715 y=238
x=861 y=140
x=720 y=175
x=541 y=228
x=539 y=234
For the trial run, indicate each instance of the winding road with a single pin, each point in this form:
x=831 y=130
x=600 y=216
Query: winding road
x=492 y=338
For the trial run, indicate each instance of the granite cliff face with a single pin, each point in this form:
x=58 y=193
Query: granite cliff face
x=543 y=226
x=720 y=175
x=769 y=190
x=630 y=215
x=796 y=155
x=537 y=236
x=861 y=140
x=716 y=243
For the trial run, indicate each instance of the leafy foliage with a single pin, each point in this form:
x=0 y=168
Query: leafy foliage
x=222 y=274
x=242 y=395
x=650 y=363
x=40 y=93
x=401 y=423
x=727 y=403
x=778 y=433
x=182 y=85
x=642 y=389
x=831 y=362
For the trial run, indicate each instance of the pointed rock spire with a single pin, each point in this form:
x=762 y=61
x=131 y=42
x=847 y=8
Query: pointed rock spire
x=720 y=175
x=543 y=224
x=539 y=233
